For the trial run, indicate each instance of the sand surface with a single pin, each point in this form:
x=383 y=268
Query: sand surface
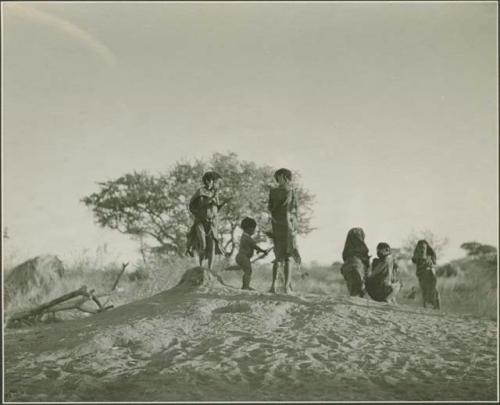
x=210 y=342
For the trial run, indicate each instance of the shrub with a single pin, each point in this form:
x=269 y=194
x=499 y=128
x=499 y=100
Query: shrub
x=448 y=270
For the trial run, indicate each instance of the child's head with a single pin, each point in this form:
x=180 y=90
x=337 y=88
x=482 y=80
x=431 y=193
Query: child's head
x=421 y=248
x=356 y=233
x=283 y=176
x=211 y=179
x=383 y=250
x=248 y=225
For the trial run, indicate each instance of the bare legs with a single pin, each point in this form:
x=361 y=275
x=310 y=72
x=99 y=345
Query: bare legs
x=275 y=274
x=208 y=253
x=288 y=276
x=245 y=264
x=211 y=252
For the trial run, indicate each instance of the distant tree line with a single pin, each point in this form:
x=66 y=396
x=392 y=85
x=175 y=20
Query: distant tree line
x=478 y=249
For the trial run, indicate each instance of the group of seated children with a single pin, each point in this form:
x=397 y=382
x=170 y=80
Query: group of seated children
x=380 y=281
x=282 y=205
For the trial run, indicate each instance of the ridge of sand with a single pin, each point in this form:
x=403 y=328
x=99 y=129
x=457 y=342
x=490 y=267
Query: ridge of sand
x=205 y=341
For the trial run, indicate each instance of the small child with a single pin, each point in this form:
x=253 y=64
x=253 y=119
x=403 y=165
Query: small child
x=382 y=283
x=425 y=259
x=246 y=250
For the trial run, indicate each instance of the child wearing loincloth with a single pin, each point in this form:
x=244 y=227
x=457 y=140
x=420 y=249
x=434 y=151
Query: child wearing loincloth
x=204 y=205
x=284 y=210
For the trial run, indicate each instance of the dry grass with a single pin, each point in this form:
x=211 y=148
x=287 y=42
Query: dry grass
x=473 y=291
x=139 y=281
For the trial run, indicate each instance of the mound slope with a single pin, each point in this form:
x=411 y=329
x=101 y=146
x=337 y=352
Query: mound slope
x=204 y=341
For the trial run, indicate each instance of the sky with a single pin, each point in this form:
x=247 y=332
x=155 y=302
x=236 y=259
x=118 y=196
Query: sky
x=388 y=110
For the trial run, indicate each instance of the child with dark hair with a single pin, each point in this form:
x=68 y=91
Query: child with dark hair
x=204 y=205
x=382 y=283
x=283 y=207
x=425 y=259
x=246 y=250
x=356 y=262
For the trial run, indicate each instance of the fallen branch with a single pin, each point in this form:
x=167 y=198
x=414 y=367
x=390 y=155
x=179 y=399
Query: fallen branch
x=82 y=291
x=73 y=300
x=124 y=265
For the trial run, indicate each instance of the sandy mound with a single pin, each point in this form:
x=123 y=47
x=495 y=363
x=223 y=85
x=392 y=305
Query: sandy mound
x=204 y=341
x=40 y=272
x=200 y=278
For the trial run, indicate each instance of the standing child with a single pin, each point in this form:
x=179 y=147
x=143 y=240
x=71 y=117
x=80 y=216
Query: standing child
x=246 y=250
x=356 y=262
x=382 y=283
x=425 y=259
x=283 y=207
x=204 y=205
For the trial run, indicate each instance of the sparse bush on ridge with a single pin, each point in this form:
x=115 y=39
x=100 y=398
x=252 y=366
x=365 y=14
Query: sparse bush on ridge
x=437 y=242
x=142 y=281
x=473 y=290
x=478 y=249
x=448 y=270
x=153 y=209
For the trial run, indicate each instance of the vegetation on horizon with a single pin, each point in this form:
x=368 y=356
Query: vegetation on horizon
x=471 y=289
x=153 y=208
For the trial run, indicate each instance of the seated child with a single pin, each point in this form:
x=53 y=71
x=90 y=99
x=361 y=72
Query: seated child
x=356 y=262
x=382 y=283
x=246 y=250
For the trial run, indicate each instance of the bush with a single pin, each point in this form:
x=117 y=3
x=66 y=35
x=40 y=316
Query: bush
x=478 y=249
x=139 y=274
x=448 y=270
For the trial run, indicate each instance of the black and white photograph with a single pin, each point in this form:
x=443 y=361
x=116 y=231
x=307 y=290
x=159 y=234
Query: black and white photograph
x=249 y=201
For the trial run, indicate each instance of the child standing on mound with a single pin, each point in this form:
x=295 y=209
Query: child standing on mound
x=204 y=206
x=284 y=213
x=246 y=250
x=425 y=259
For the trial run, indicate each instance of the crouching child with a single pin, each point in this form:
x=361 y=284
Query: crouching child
x=382 y=283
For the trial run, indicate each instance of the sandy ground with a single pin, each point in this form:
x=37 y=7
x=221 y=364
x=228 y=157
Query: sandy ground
x=212 y=343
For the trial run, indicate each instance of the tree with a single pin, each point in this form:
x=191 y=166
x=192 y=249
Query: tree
x=437 y=243
x=478 y=249
x=154 y=209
